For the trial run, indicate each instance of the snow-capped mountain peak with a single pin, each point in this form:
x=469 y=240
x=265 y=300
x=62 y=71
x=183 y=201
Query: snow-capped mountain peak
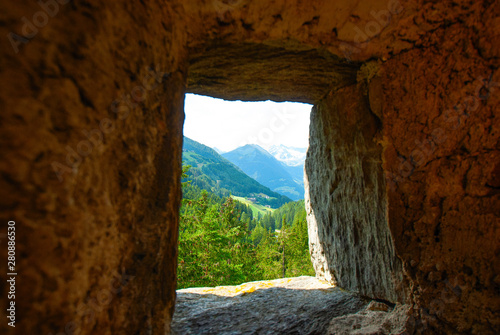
x=288 y=155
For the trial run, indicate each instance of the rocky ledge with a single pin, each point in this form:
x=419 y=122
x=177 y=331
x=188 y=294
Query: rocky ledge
x=302 y=305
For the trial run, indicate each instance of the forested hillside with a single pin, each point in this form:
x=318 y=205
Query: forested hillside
x=221 y=242
x=212 y=172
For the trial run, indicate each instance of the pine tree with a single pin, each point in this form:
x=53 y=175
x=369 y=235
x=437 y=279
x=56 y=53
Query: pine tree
x=221 y=243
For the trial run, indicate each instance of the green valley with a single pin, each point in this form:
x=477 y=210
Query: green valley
x=222 y=241
x=256 y=208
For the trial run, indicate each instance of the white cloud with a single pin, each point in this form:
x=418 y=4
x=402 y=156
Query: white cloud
x=230 y=124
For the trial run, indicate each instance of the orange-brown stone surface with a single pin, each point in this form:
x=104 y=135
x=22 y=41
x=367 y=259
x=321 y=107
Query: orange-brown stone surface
x=91 y=133
x=91 y=100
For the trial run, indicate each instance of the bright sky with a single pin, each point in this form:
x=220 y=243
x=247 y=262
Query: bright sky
x=227 y=125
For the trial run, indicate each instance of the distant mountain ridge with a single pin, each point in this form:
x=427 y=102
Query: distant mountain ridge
x=292 y=159
x=290 y=156
x=219 y=151
x=214 y=173
x=267 y=170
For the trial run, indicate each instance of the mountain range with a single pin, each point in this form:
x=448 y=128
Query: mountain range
x=292 y=160
x=214 y=173
x=290 y=156
x=284 y=177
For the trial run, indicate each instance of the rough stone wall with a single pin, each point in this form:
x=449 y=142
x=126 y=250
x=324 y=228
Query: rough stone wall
x=440 y=106
x=438 y=103
x=96 y=246
x=259 y=72
x=116 y=210
x=349 y=236
x=355 y=30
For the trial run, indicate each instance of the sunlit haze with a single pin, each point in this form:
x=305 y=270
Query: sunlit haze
x=227 y=125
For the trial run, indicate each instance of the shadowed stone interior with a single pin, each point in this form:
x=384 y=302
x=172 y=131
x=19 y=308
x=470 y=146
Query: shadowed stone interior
x=403 y=168
x=255 y=72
